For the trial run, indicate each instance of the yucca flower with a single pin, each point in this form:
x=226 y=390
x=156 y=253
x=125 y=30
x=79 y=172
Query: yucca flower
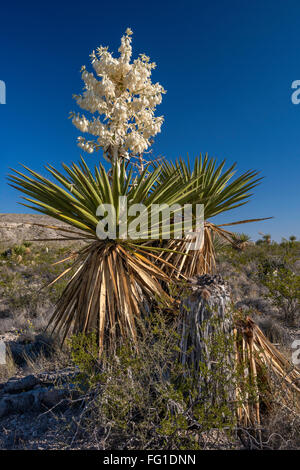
x=122 y=99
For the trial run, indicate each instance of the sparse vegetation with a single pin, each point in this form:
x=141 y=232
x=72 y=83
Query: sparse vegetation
x=268 y=272
x=284 y=292
x=148 y=400
x=139 y=401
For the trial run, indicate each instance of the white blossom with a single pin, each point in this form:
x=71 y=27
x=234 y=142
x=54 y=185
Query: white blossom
x=123 y=99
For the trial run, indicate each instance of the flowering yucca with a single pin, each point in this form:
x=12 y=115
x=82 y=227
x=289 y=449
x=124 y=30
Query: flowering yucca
x=124 y=101
x=116 y=280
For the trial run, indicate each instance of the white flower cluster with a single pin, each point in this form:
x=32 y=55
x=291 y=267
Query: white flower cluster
x=124 y=99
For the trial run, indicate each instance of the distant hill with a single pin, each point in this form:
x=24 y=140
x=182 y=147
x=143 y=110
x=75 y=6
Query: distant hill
x=16 y=228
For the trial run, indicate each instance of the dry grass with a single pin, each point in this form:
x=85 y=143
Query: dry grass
x=8 y=369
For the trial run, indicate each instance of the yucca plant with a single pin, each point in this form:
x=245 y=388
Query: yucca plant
x=240 y=240
x=218 y=192
x=113 y=279
x=116 y=279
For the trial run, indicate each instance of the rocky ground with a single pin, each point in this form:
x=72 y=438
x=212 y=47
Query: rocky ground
x=35 y=408
x=38 y=403
x=34 y=401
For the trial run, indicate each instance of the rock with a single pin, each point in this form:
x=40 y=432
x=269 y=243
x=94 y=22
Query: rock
x=23 y=348
x=26 y=383
x=57 y=397
x=37 y=392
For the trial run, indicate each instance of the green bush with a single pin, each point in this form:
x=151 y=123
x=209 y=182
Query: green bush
x=284 y=292
x=146 y=399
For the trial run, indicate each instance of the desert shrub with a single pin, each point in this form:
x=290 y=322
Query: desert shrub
x=145 y=399
x=269 y=266
x=261 y=253
x=239 y=259
x=284 y=292
x=21 y=281
x=16 y=250
x=282 y=428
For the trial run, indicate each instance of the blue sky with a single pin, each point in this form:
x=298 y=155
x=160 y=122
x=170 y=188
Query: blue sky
x=227 y=67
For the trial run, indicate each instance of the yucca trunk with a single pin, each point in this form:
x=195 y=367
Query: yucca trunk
x=206 y=332
x=231 y=359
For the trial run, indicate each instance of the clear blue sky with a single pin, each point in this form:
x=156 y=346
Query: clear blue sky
x=227 y=66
